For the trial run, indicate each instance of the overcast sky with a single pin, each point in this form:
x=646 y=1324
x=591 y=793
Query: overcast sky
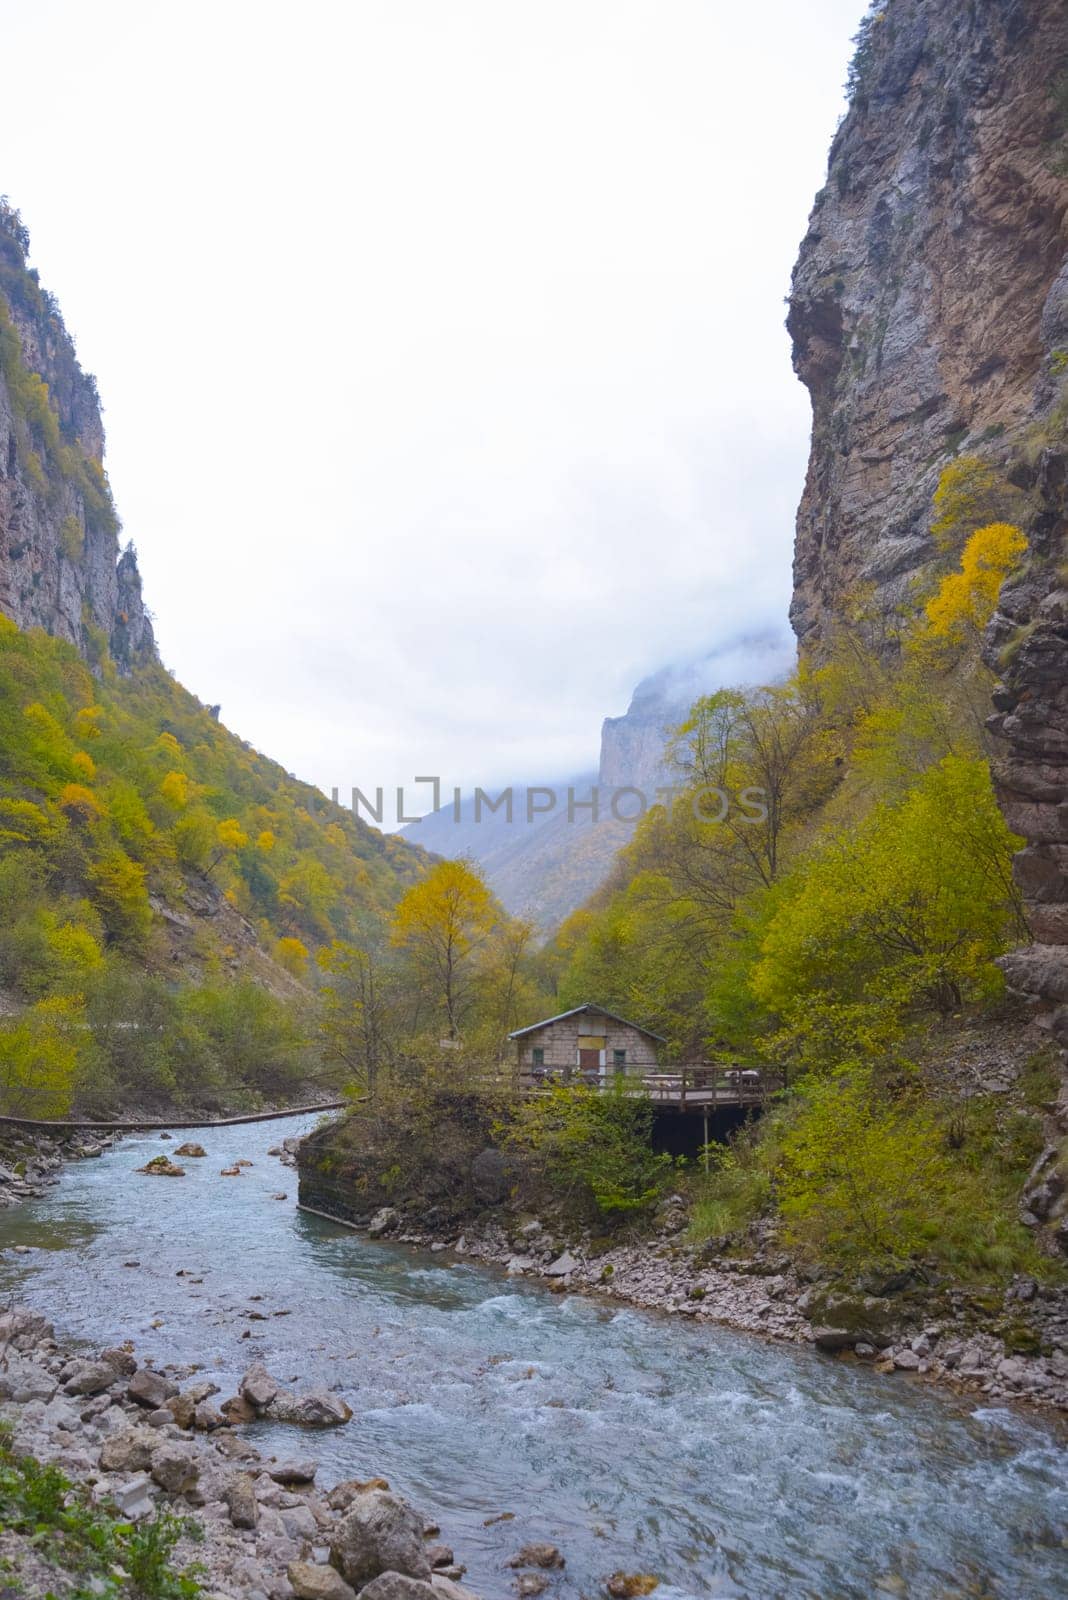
x=440 y=342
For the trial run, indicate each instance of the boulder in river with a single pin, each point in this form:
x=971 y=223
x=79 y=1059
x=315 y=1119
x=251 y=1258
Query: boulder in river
x=190 y=1149
x=627 y=1585
x=538 y=1554
x=563 y=1265
x=162 y=1167
x=383 y=1221
x=316 y=1408
x=230 y=1172
x=379 y=1533
x=258 y=1387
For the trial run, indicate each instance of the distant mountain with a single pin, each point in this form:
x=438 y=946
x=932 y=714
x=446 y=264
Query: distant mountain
x=545 y=864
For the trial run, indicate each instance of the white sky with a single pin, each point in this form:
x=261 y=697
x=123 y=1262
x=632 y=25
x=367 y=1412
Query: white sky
x=440 y=343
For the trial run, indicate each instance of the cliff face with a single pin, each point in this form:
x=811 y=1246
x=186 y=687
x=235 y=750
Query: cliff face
x=929 y=316
x=60 y=567
x=930 y=298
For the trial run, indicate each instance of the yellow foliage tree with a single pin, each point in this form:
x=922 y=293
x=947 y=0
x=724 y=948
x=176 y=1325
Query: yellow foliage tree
x=231 y=835
x=174 y=789
x=441 y=922
x=78 y=803
x=39 y=1060
x=971 y=494
x=292 y=954
x=84 y=765
x=966 y=599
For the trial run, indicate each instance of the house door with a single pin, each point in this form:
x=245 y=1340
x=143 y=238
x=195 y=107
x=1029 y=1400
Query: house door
x=589 y=1065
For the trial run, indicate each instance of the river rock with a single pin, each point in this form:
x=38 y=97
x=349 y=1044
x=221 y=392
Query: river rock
x=128 y=1451
x=237 y=1410
x=563 y=1265
x=240 y=1497
x=162 y=1167
x=182 y=1408
x=292 y=1471
x=383 y=1221
x=906 y=1360
x=258 y=1387
x=151 y=1388
x=191 y=1149
x=379 y=1533
x=123 y=1361
x=532 y=1583
x=537 y=1555
x=206 y=1417
x=398 y=1586
x=831 y=1339
x=317 y=1408
x=174 y=1467
x=343 y=1494
x=312 y=1582
x=90 y=1377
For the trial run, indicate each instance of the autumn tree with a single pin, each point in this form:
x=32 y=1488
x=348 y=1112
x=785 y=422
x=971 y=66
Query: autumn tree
x=358 y=1018
x=442 y=925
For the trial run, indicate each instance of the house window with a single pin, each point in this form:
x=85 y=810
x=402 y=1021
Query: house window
x=619 y=1059
x=537 y=1055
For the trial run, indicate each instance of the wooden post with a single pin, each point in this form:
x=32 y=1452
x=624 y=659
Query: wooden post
x=706 y=1141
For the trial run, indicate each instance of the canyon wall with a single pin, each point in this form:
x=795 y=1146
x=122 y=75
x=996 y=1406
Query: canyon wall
x=929 y=305
x=60 y=563
x=929 y=317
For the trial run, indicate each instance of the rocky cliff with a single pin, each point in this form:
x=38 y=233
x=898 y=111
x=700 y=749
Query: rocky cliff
x=60 y=566
x=929 y=307
x=929 y=317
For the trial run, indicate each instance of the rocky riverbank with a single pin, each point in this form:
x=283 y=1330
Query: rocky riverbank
x=1009 y=1345
x=31 y=1162
x=257 y=1528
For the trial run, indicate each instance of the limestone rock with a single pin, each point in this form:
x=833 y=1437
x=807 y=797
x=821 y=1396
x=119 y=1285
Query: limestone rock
x=398 y=1586
x=151 y=1388
x=383 y=1221
x=379 y=1533
x=312 y=1582
x=174 y=1467
x=128 y=1451
x=316 y=1408
x=258 y=1387
x=91 y=1377
x=240 y=1497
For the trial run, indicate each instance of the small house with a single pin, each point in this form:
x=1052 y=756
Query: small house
x=587 y=1044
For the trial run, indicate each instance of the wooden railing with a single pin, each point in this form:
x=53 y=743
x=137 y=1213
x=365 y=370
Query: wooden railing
x=699 y=1086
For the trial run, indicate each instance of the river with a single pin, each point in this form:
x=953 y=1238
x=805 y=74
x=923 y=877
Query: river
x=726 y=1465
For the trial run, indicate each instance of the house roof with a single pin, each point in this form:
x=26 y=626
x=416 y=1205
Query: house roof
x=598 y=1011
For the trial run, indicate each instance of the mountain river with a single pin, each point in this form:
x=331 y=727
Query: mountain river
x=725 y=1465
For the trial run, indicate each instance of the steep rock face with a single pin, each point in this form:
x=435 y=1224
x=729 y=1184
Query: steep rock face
x=1027 y=641
x=930 y=296
x=60 y=567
